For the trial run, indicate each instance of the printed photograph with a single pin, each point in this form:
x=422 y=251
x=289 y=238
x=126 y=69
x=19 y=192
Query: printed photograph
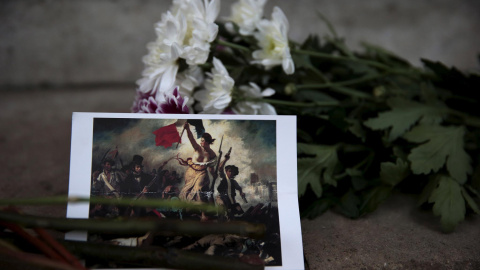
x=230 y=164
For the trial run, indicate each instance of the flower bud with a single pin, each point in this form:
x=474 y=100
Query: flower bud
x=379 y=91
x=290 y=89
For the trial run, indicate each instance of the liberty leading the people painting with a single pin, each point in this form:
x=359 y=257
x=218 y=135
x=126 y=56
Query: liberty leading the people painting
x=221 y=162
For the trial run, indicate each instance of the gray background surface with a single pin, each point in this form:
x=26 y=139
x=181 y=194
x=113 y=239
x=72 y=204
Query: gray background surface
x=64 y=42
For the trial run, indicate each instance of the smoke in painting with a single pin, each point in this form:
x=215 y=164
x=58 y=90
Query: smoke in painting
x=232 y=163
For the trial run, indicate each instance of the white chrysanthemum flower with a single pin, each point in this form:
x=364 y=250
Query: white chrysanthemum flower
x=184 y=32
x=161 y=62
x=272 y=37
x=254 y=107
x=246 y=14
x=201 y=28
x=188 y=80
x=161 y=68
x=217 y=93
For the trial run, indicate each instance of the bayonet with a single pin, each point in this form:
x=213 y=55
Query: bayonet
x=212 y=187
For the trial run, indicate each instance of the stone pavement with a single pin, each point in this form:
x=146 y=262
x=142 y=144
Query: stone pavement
x=35 y=149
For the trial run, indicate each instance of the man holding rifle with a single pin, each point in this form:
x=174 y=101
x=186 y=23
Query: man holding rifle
x=228 y=187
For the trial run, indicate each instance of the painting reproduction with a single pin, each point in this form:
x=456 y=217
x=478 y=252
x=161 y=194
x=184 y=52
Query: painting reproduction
x=242 y=166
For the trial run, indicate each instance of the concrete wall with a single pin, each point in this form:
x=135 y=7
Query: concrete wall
x=60 y=42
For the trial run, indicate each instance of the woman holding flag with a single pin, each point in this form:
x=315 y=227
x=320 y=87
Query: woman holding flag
x=197 y=181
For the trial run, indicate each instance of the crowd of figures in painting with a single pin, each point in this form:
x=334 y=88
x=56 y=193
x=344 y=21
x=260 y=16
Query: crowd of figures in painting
x=196 y=172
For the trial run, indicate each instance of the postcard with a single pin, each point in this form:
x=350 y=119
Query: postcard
x=246 y=164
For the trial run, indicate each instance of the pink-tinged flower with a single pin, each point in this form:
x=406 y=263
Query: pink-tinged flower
x=228 y=111
x=144 y=103
x=173 y=102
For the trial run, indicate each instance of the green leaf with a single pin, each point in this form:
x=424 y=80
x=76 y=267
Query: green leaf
x=337 y=118
x=475 y=179
x=313 y=95
x=301 y=61
x=393 y=173
x=374 y=198
x=356 y=128
x=349 y=204
x=357 y=179
x=404 y=114
x=448 y=203
x=304 y=136
x=237 y=72
x=442 y=145
x=384 y=55
x=312 y=170
x=428 y=189
x=470 y=201
x=317 y=208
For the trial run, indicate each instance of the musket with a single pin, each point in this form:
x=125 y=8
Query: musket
x=152 y=181
x=139 y=195
x=244 y=198
x=212 y=187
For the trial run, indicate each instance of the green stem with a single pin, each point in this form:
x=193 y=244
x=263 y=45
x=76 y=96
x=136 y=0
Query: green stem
x=136 y=226
x=473 y=190
x=339 y=86
x=156 y=257
x=232 y=45
x=61 y=200
x=294 y=103
x=329 y=24
x=318 y=73
x=469 y=120
x=356 y=167
x=343 y=58
x=343 y=83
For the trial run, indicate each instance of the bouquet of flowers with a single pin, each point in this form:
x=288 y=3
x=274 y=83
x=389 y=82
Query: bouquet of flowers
x=369 y=123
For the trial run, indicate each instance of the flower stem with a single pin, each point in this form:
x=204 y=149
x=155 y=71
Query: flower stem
x=233 y=45
x=296 y=104
x=156 y=257
x=135 y=225
x=344 y=58
x=55 y=200
x=343 y=83
x=469 y=120
x=339 y=86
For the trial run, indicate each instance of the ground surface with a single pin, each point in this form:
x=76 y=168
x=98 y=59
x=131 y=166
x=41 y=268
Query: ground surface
x=35 y=152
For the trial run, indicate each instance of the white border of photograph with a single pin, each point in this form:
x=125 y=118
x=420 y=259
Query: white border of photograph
x=289 y=218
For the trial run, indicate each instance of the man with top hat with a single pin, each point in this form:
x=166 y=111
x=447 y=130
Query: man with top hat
x=138 y=181
x=137 y=184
